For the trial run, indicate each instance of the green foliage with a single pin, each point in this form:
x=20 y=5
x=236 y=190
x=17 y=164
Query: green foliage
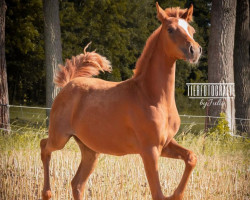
x=25 y=52
x=20 y=141
x=222 y=127
x=27 y=141
x=201 y=144
x=214 y=144
x=118 y=30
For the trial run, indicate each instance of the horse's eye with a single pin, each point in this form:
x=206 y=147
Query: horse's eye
x=170 y=30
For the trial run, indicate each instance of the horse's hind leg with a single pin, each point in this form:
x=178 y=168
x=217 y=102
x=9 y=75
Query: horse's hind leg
x=49 y=145
x=86 y=167
x=174 y=150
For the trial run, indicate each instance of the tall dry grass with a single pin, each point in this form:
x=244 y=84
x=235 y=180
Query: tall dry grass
x=222 y=171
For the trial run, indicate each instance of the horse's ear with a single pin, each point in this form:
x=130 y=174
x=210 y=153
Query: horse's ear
x=161 y=14
x=188 y=14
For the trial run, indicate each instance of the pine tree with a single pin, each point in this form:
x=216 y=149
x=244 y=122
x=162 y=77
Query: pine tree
x=242 y=66
x=53 y=47
x=4 y=99
x=220 y=54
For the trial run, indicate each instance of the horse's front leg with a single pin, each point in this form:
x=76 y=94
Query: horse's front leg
x=174 y=150
x=150 y=158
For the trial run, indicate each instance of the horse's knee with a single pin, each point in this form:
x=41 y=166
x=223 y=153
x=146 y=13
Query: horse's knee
x=43 y=143
x=191 y=159
x=46 y=195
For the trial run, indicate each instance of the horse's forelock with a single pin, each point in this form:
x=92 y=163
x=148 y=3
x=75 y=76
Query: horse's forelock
x=175 y=12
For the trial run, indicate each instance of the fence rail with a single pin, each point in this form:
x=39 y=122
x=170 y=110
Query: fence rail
x=31 y=118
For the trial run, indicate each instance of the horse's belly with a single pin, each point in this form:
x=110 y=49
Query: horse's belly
x=108 y=144
x=108 y=138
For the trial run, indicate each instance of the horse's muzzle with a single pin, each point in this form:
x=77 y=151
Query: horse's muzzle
x=194 y=53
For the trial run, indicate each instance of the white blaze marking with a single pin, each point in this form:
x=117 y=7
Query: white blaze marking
x=182 y=23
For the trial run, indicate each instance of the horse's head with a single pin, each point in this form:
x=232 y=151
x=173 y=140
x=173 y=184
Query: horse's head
x=177 y=34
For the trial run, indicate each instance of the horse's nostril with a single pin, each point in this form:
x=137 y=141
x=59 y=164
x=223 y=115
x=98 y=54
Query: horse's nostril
x=200 y=50
x=191 y=49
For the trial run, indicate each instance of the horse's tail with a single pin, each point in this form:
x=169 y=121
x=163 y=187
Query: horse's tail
x=87 y=64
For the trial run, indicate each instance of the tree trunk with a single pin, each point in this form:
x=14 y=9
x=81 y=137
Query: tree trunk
x=4 y=99
x=220 y=54
x=53 y=48
x=242 y=66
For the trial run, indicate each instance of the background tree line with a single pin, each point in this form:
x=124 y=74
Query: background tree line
x=118 y=30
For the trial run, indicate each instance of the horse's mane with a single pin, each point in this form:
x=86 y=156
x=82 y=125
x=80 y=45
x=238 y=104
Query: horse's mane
x=150 y=44
x=147 y=52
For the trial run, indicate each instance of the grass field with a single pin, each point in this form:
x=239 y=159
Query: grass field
x=222 y=171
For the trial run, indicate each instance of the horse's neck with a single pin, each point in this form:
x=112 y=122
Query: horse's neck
x=159 y=78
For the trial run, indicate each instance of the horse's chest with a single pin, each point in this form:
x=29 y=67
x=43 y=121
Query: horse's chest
x=168 y=126
x=172 y=124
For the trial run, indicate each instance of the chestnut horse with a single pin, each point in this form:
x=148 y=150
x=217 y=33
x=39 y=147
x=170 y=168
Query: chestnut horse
x=136 y=116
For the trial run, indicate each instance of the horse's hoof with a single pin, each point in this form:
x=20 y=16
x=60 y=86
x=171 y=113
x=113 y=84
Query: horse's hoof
x=174 y=197
x=46 y=195
x=169 y=198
